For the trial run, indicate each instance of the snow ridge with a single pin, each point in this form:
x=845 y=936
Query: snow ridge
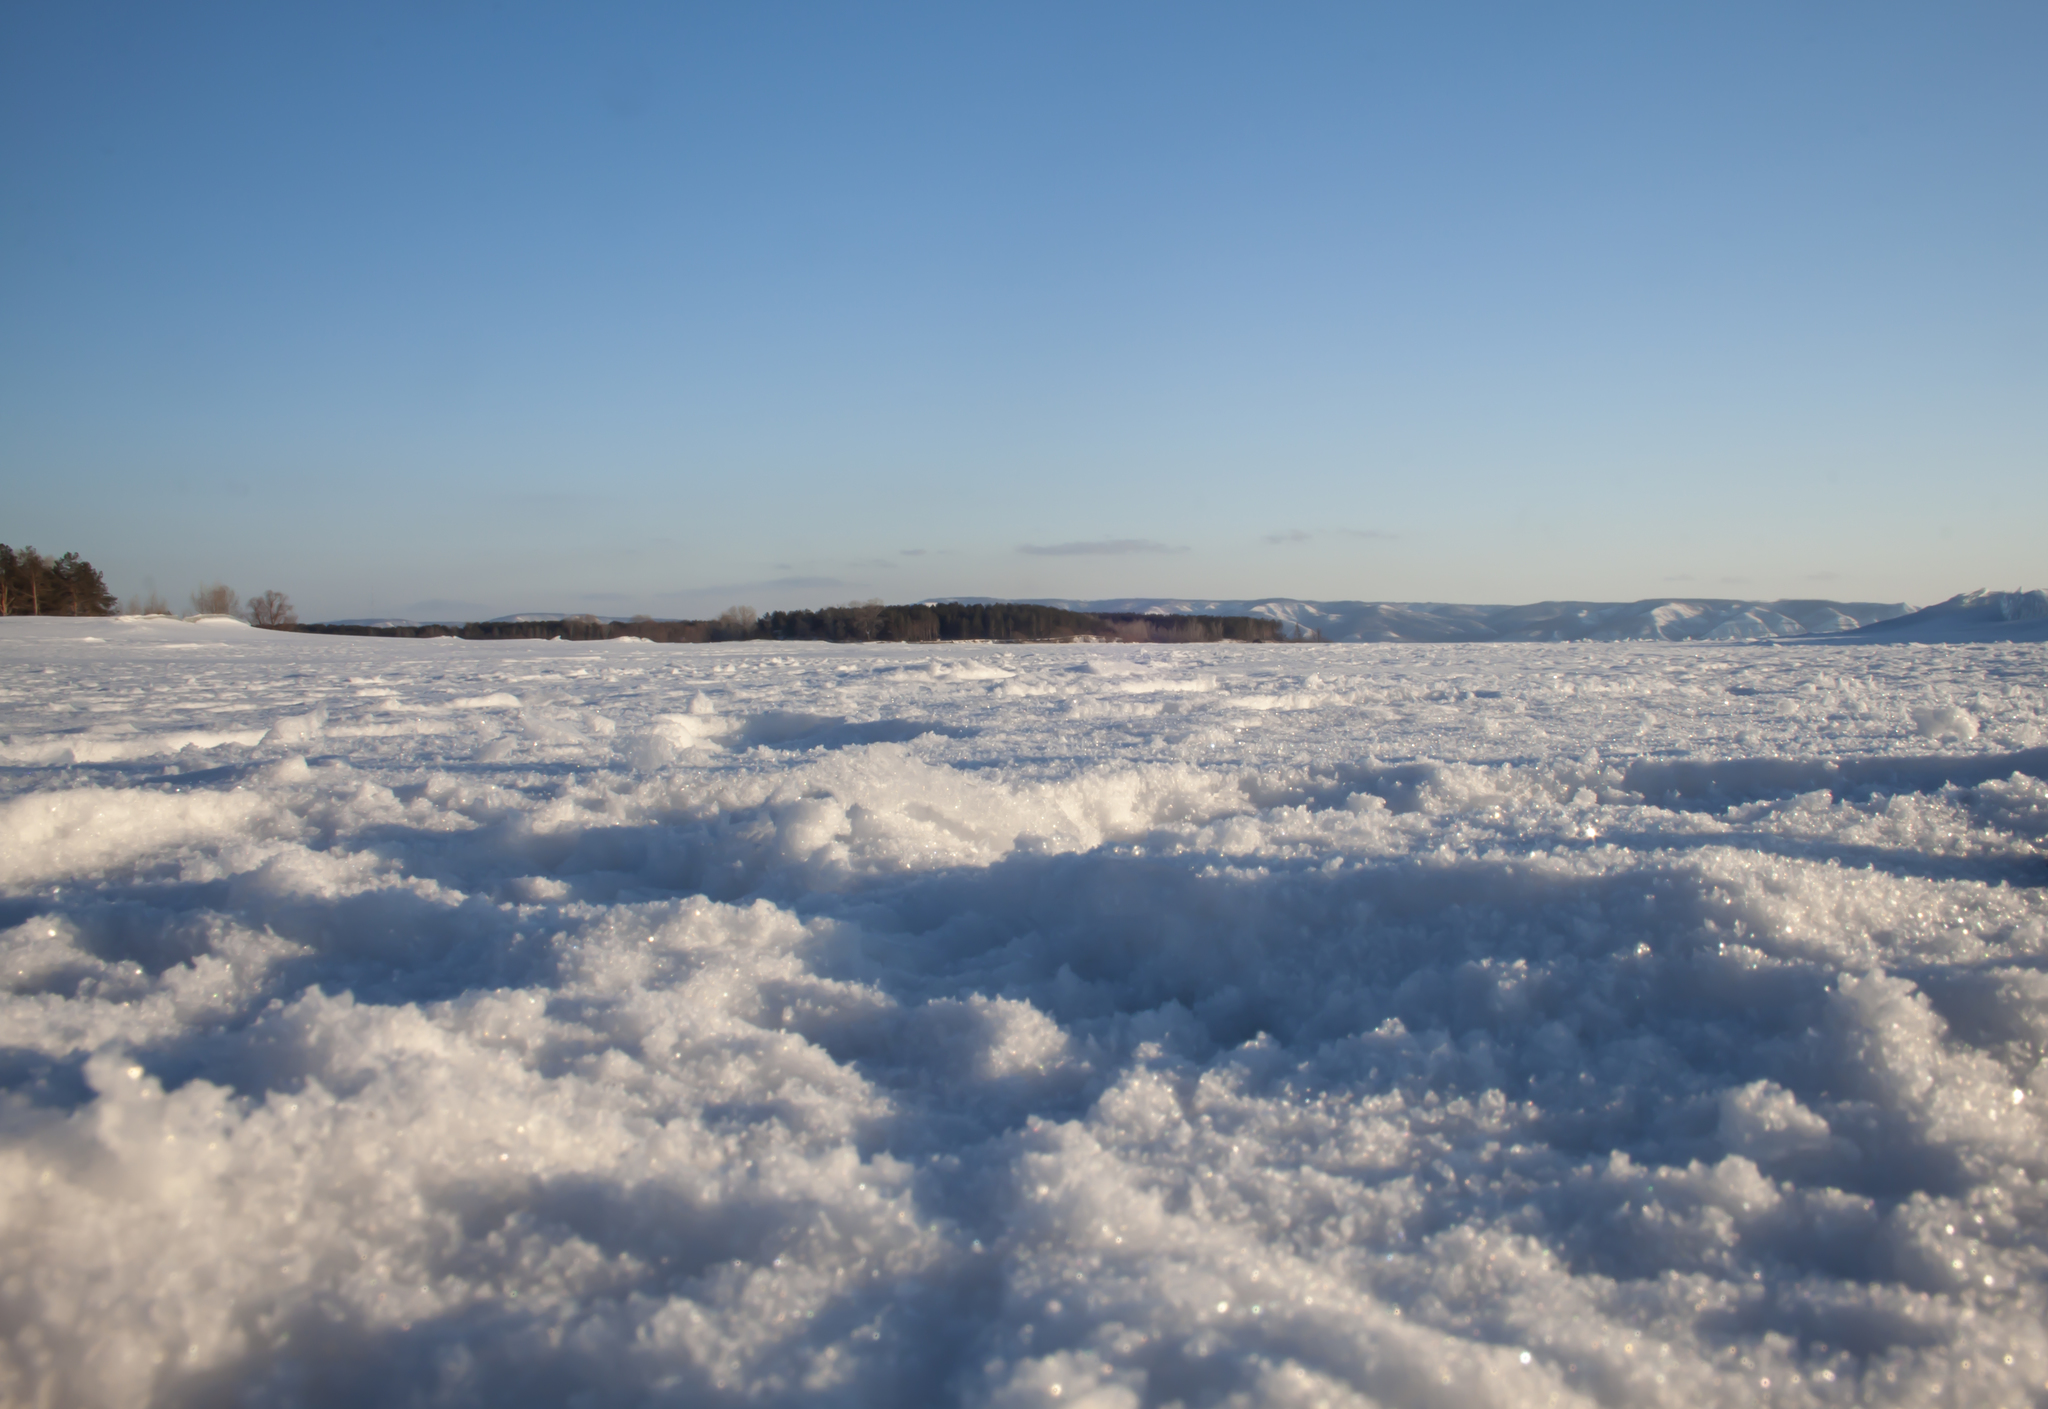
x=1651 y=619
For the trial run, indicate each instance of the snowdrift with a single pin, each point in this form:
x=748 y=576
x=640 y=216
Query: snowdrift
x=439 y=1021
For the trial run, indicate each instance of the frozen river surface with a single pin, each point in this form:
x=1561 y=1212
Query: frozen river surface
x=441 y=1022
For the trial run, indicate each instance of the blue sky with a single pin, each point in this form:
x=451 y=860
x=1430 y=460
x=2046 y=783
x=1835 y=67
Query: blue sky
x=460 y=309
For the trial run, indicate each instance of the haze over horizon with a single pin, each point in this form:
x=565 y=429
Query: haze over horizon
x=461 y=311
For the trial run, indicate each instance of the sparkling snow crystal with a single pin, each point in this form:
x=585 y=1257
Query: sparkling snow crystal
x=615 y=1024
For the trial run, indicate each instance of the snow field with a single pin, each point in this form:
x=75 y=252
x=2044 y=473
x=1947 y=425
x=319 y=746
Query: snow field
x=451 y=1022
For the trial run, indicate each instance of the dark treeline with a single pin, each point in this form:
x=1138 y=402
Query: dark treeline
x=574 y=628
x=35 y=584
x=865 y=621
x=1003 y=621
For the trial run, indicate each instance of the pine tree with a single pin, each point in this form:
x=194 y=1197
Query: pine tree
x=79 y=587
x=34 y=569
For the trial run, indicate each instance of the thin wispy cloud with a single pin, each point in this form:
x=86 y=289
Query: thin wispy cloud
x=1299 y=535
x=446 y=609
x=769 y=584
x=1100 y=548
x=549 y=501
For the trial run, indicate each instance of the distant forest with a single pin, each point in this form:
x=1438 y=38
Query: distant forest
x=35 y=584
x=863 y=621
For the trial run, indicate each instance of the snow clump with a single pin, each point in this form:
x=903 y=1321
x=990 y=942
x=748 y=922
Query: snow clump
x=623 y=1024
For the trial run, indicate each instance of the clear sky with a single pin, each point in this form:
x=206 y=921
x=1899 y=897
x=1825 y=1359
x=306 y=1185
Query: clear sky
x=457 y=309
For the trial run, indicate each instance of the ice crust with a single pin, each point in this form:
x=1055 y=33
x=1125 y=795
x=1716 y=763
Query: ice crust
x=447 y=1022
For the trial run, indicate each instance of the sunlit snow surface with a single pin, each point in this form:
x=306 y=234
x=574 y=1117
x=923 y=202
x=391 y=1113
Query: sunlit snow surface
x=443 y=1022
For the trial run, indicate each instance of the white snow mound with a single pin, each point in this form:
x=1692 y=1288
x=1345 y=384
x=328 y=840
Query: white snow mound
x=622 y=1024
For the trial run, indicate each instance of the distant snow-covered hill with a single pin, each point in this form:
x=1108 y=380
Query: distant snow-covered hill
x=387 y=621
x=1968 y=616
x=1654 y=619
x=1972 y=616
x=384 y=622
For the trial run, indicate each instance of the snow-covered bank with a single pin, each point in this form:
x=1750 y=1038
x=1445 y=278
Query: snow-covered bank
x=1652 y=619
x=1511 y=1024
x=1967 y=617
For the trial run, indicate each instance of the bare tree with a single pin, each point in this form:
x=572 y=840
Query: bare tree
x=215 y=599
x=150 y=603
x=737 y=623
x=273 y=609
x=867 y=616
